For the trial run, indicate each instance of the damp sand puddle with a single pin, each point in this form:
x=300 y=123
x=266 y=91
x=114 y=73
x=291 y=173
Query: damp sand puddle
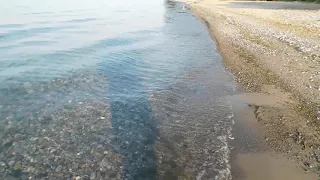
x=252 y=156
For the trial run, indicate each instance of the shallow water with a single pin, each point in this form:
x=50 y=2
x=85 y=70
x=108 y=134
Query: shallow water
x=121 y=90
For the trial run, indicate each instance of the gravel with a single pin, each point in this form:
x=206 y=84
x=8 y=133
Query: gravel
x=68 y=145
x=285 y=41
x=57 y=131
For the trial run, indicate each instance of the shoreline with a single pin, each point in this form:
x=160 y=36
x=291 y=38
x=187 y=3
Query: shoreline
x=285 y=115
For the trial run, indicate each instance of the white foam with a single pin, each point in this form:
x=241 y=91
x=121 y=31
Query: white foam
x=225 y=174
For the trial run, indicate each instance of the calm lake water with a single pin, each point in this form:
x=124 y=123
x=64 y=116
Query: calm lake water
x=111 y=90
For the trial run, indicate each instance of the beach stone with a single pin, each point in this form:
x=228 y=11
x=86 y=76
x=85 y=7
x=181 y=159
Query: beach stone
x=52 y=178
x=81 y=171
x=98 y=175
x=67 y=176
x=104 y=162
x=24 y=177
x=17 y=166
x=26 y=85
x=102 y=170
x=11 y=163
x=60 y=175
x=75 y=165
x=2 y=169
x=59 y=168
x=304 y=166
x=31 y=169
x=92 y=175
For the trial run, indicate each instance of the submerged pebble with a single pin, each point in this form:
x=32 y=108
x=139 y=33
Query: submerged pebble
x=92 y=175
x=59 y=168
x=48 y=151
x=17 y=166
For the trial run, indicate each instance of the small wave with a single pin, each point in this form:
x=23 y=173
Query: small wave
x=25 y=33
x=79 y=20
x=27 y=43
x=36 y=43
x=38 y=13
x=11 y=25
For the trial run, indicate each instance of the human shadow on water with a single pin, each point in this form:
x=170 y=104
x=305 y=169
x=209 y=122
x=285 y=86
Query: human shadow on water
x=133 y=127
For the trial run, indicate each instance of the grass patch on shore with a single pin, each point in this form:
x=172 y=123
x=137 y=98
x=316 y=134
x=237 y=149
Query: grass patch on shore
x=296 y=28
x=255 y=39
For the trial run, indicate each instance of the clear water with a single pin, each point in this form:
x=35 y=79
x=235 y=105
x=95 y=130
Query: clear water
x=117 y=90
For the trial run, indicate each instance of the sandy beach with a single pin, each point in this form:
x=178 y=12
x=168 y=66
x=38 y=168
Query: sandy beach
x=272 y=49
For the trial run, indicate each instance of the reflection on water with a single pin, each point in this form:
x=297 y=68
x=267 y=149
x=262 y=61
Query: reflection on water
x=101 y=90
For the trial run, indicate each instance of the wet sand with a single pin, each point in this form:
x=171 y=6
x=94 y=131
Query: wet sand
x=273 y=53
x=251 y=157
x=269 y=167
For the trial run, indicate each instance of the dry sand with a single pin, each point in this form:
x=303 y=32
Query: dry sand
x=272 y=48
